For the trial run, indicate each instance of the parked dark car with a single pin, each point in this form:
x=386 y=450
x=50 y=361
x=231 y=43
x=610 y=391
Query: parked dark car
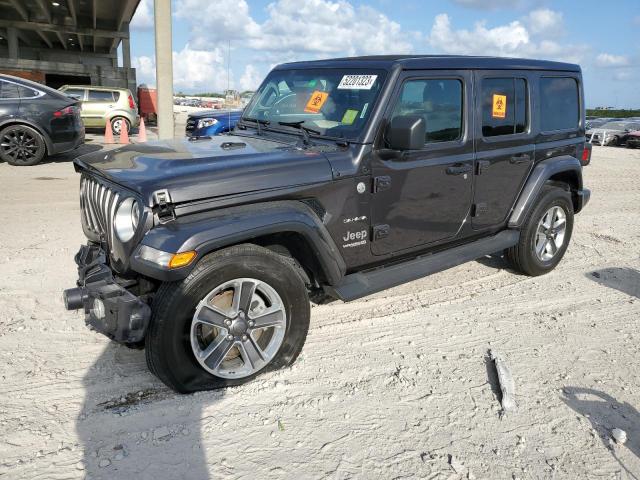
x=633 y=139
x=211 y=122
x=36 y=121
x=342 y=178
x=612 y=133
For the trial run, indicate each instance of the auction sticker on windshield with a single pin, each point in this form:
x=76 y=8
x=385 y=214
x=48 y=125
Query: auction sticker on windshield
x=316 y=101
x=357 y=82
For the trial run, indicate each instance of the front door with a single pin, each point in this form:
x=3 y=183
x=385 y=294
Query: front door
x=504 y=144
x=423 y=197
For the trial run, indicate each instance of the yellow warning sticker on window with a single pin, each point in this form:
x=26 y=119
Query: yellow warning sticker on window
x=499 y=106
x=316 y=101
x=349 y=117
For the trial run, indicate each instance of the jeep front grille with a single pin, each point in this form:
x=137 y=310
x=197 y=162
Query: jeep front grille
x=98 y=204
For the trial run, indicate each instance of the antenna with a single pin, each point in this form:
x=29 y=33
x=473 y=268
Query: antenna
x=229 y=79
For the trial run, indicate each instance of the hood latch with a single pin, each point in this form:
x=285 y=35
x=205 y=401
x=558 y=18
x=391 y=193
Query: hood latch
x=163 y=206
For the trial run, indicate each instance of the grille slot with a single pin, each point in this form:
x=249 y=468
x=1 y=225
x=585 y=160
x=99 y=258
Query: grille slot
x=98 y=204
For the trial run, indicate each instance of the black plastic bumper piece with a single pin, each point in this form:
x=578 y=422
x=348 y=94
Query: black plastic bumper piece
x=583 y=196
x=109 y=307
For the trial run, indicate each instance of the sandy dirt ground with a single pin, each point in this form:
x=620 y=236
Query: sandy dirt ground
x=395 y=385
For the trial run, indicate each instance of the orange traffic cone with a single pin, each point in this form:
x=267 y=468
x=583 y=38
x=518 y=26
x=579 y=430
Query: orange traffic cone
x=142 y=131
x=108 y=134
x=124 y=134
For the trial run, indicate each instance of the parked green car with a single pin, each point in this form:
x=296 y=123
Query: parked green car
x=103 y=104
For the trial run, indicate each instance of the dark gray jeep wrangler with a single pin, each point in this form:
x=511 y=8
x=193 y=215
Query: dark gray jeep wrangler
x=343 y=178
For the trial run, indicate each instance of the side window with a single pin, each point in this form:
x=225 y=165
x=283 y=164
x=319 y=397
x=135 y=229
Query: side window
x=504 y=106
x=26 y=92
x=77 y=93
x=100 y=96
x=559 y=103
x=439 y=102
x=8 y=90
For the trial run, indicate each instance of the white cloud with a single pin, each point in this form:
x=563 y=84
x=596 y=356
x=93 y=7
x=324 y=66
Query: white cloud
x=512 y=39
x=202 y=70
x=545 y=22
x=310 y=28
x=610 y=60
x=250 y=79
x=489 y=4
x=220 y=20
x=503 y=40
x=143 y=18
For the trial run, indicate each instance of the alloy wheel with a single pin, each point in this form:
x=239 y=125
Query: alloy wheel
x=550 y=234
x=238 y=328
x=20 y=145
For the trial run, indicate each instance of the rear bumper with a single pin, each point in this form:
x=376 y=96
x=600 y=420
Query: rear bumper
x=62 y=147
x=108 y=306
x=582 y=198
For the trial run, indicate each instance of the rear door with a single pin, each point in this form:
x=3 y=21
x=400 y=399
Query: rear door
x=422 y=197
x=94 y=108
x=504 y=144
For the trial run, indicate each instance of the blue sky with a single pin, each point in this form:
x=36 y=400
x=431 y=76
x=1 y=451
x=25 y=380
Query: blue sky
x=604 y=38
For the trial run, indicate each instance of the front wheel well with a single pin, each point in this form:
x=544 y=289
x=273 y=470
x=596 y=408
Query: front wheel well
x=297 y=248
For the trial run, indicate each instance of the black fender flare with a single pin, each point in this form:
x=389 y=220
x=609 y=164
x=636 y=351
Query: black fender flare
x=21 y=121
x=206 y=232
x=541 y=173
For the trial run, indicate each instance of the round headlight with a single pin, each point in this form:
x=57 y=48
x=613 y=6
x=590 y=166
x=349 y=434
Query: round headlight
x=127 y=217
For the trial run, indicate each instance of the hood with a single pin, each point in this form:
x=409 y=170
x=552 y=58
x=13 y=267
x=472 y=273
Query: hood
x=216 y=114
x=206 y=168
x=600 y=130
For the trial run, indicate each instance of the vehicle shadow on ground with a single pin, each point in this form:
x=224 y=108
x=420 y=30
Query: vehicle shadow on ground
x=497 y=261
x=73 y=154
x=605 y=413
x=132 y=426
x=625 y=280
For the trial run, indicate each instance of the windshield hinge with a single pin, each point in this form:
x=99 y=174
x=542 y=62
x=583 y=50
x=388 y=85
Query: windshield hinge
x=163 y=207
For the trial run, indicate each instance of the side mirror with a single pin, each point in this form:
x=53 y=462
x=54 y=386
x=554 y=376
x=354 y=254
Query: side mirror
x=406 y=132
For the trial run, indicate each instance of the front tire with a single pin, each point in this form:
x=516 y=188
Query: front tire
x=545 y=234
x=21 y=145
x=242 y=311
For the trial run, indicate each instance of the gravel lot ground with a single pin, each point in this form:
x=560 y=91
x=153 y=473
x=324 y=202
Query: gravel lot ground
x=389 y=386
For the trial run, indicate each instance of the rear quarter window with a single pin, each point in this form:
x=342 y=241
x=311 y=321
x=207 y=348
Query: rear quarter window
x=559 y=104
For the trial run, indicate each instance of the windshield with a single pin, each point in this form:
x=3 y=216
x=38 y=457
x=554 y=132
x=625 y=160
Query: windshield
x=332 y=102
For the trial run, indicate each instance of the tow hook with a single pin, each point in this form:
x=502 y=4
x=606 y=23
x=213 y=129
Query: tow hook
x=74 y=298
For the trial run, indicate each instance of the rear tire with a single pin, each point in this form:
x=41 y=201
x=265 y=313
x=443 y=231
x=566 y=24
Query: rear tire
x=21 y=145
x=117 y=123
x=177 y=330
x=545 y=234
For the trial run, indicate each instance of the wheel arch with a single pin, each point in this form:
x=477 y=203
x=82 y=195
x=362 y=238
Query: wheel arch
x=562 y=171
x=290 y=228
x=18 y=121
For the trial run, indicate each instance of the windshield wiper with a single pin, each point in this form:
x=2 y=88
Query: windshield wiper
x=305 y=130
x=258 y=122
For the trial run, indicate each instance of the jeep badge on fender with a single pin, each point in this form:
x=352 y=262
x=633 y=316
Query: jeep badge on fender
x=341 y=178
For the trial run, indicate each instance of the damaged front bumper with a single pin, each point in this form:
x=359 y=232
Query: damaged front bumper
x=108 y=306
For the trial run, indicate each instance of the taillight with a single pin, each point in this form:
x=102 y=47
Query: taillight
x=586 y=155
x=132 y=104
x=64 y=112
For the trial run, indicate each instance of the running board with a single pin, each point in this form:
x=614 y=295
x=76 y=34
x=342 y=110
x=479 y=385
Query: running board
x=361 y=284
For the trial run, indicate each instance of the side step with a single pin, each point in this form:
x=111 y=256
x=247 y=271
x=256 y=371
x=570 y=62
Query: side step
x=361 y=284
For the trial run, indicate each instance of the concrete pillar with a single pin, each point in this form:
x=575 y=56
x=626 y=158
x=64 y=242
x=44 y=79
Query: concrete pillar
x=126 y=48
x=12 y=40
x=164 y=68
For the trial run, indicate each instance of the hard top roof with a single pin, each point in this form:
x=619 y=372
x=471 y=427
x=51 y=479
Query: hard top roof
x=419 y=62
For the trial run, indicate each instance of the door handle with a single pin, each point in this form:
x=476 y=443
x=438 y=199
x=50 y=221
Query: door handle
x=524 y=158
x=458 y=169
